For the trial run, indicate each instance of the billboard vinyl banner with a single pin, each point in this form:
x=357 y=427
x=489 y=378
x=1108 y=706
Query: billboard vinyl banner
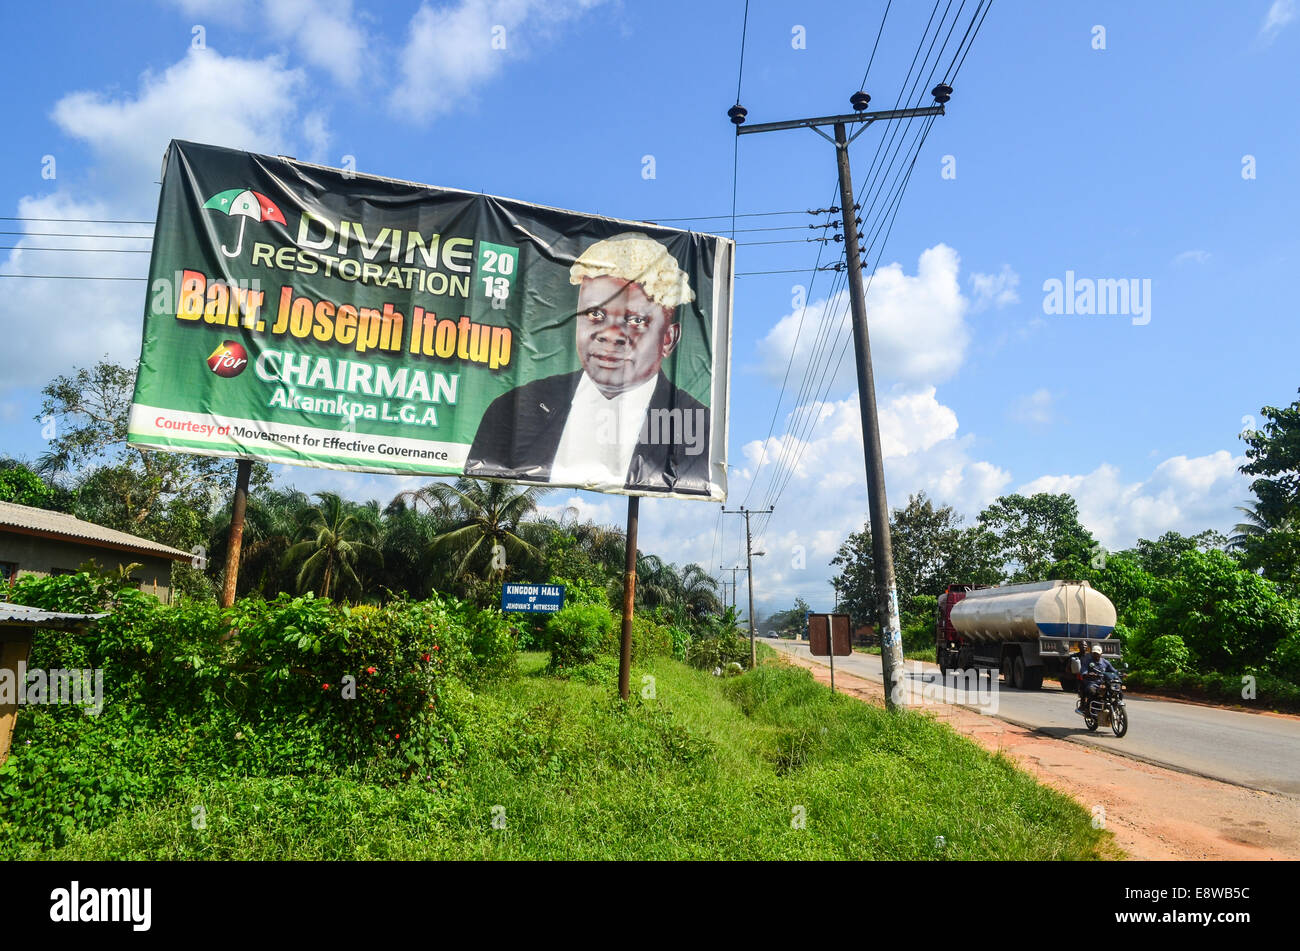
x=322 y=317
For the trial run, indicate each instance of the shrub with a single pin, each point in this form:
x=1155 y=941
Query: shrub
x=1168 y=655
x=299 y=686
x=649 y=638
x=1285 y=661
x=711 y=653
x=579 y=633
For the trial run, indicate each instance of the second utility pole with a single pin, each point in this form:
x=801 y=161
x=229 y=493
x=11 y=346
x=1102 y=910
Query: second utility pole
x=749 y=572
x=891 y=641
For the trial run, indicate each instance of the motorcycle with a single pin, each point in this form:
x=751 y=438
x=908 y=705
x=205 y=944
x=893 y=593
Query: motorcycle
x=1106 y=707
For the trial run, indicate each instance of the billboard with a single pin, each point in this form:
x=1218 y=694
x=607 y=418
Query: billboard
x=322 y=317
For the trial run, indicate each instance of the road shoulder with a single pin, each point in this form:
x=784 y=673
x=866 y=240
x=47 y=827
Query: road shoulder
x=1153 y=812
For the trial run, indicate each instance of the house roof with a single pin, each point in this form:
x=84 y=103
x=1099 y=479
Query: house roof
x=22 y=614
x=26 y=520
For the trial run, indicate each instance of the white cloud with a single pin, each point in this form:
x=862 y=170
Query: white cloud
x=205 y=97
x=326 y=33
x=1034 y=409
x=1279 y=15
x=994 y=290
x=51 y=325
x=1196 y=255
x=826 y=498
x=248 y=104
x=917 y=326
x=449 y=50
x=1184 y=494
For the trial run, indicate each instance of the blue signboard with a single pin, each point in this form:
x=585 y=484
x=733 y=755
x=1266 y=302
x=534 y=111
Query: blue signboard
x=541 y=598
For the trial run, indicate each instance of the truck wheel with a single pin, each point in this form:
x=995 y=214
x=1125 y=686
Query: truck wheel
x=1018 y=673
x=941 y=659
x=1033 y=678
x=1006 y=671
x=1069 y=684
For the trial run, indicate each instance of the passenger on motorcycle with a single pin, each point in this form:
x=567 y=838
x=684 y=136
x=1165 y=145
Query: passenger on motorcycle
x=1094 y=669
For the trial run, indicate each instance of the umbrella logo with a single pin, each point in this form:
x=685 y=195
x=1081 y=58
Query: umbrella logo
x=245 y=203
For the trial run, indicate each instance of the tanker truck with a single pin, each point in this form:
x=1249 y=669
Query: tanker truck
x=1025 y=631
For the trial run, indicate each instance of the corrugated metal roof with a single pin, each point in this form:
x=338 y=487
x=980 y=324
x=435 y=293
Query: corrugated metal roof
x=34 y=521
x=22 y=614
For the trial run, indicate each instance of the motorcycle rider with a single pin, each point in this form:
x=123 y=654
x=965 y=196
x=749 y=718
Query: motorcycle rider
x=1090 y=677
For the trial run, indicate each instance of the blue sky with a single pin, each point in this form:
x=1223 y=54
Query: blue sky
x=1122 y=162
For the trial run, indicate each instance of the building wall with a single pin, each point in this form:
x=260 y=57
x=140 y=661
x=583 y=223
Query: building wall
x=47 y=556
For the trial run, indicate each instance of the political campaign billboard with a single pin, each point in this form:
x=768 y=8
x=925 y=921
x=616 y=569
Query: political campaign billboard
x=323 y=317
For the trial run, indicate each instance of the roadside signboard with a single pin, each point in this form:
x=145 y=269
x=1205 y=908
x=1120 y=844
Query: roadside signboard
x=820 y=641
x=532 y=598
x=829 y=636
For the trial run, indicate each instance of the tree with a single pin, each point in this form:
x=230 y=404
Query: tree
x=488 y=531
x=1231 y=619
x=1269 y=539
x=931 y=549
x=789 y=622
x=1273 y=454
x=1161 y=557
x=164 y=496
x=19 y=484
x=699 y=592
x=1033 y=535
x=336 y=537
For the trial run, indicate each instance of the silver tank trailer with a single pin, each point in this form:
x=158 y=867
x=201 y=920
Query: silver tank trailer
x=1025 y=612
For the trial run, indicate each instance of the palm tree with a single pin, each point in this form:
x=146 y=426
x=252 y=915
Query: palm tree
x=335 y=537
x=657 y=582
x=408 y=536
x=699 y=592
x=1255 y=526
x=604 y=544
x=488 y=524
x=272 y=520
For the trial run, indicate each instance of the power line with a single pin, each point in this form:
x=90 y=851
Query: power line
x=885 y=16
x=70 y=234
x=820 y=337
x=21 y=247
x=84 y=221
x=807 y=416
x=73 y=277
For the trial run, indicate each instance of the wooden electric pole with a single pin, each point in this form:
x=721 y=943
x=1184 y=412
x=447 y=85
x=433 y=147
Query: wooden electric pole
x=749 y=574
x=891 y=642
x=733 y=571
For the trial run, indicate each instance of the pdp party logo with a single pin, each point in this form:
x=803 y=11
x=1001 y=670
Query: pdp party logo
x=229 y=359
x=243 y=203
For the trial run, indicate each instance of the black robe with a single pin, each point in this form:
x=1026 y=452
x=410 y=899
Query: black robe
x=520 y=434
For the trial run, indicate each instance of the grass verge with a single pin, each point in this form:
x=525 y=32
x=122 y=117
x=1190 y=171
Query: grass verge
x=768 y=765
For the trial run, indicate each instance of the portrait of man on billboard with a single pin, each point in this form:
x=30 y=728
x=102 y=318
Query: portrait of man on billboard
x=619 y=421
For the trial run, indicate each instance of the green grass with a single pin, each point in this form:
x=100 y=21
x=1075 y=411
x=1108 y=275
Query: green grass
x=710 y=768
x=923 y=654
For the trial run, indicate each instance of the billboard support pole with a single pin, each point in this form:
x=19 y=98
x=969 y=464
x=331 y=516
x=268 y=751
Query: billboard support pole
x=236 y=532
x=629 y=597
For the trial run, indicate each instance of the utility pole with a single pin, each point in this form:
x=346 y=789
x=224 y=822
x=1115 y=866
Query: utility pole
x=749 y=573
x=891 y=642
x=733 y=571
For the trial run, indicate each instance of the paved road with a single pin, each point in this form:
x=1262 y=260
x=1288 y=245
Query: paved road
x=1262 y=752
